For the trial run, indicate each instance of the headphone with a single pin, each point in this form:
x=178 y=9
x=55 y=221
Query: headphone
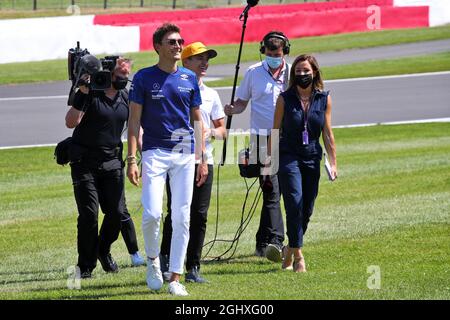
x=277 y=35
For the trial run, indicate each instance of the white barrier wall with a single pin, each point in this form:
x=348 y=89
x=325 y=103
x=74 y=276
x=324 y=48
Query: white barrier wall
x=439 y=9
x=50 y=38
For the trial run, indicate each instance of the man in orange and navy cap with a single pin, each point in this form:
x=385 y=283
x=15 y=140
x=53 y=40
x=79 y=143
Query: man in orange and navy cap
x=195 y=57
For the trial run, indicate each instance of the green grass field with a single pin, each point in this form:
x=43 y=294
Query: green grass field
x=54 y=70
x=389 y=208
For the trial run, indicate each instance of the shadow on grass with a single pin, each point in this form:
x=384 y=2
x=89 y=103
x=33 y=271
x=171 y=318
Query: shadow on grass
x=32 y=276
x=12 y=273
x=240 y=265
x=242 y=258
x=94 y=291
x=44 y=275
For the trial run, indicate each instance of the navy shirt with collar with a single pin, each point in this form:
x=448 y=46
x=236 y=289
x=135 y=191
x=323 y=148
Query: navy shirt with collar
x=166 y=99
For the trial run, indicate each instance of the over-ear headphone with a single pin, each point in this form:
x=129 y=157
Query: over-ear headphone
x=277 y=35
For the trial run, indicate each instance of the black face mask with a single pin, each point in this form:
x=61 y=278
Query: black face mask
x=303 y=80
x=120 y=83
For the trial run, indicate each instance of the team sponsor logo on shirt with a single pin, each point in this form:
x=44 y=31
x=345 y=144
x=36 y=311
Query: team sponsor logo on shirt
x=184 y=89
x=184 y=76
x=157 y=92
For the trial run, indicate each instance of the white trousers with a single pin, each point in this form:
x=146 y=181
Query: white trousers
x=156 y=164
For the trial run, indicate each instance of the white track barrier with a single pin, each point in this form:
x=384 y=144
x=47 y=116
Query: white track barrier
x=439 y=9
x=50 y=38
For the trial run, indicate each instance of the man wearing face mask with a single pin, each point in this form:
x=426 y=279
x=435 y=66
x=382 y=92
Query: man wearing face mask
x=98 y=119
x=262 y=84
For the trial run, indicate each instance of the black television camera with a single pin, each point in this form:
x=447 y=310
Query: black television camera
x=81 y=62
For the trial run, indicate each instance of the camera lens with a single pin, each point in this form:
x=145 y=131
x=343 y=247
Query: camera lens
x=101 y=80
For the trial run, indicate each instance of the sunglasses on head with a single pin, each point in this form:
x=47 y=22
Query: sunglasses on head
x=173 y=42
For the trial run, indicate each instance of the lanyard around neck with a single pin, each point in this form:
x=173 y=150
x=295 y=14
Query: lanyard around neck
x=305 y=111
x=280 y=74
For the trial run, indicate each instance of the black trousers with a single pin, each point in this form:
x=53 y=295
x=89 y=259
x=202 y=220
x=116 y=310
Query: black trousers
x=271 y=227
x=197 y=229
x=127 y=229
x=94 y=186
x=129 y=232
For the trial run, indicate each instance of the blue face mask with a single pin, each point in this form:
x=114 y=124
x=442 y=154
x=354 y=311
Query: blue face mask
x=274 y=62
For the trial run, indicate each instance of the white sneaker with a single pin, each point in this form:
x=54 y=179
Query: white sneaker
x=177 y=289
x=154 y=275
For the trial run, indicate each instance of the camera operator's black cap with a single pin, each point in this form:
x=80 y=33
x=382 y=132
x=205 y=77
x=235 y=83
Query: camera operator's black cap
x=90 y=63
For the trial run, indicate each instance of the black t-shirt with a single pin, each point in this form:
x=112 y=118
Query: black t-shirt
x=103 y=122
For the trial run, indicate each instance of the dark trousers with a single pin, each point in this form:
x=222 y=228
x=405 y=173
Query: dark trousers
x=129 y=232
x=271 y=227
x=127 y=229
x=91 y=188
x=197 y=228
x=299 y=182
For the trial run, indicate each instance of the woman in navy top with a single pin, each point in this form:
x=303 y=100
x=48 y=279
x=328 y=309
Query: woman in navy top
x=302 y=114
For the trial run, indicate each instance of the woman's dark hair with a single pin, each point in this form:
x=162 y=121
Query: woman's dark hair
x=159 y=34
x=317 y=80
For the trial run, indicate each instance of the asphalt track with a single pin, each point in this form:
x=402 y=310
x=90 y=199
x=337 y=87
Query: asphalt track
x=34 y=113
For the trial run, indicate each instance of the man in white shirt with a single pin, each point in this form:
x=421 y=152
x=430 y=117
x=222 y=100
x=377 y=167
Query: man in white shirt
x=195 y=57
x=262 y=84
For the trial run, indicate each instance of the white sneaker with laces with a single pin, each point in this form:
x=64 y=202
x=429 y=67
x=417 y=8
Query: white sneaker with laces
x=154 y=275
x=177 y=289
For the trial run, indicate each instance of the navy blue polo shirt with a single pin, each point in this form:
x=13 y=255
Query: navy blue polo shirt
x=166 y=99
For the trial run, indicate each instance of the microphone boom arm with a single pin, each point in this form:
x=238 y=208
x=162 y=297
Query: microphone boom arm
x=229 y=118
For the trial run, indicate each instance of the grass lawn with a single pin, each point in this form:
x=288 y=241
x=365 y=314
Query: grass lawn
x=54 y=70
x=389 y=208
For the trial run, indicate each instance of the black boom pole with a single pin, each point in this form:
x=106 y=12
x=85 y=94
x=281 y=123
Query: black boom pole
x=243 y=17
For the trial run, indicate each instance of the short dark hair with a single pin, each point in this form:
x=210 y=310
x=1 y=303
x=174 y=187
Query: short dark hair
x=159 y=34
x=274 y=44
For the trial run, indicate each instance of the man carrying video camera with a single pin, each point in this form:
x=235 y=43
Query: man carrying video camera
x=98 y=116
